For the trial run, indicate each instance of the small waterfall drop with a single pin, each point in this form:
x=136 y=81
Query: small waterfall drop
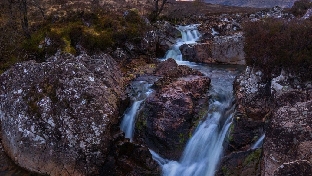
x=189 y=34
x=258 y=143
x=142 y=90
x=204 y=149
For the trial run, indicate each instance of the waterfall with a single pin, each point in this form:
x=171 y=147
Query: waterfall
x=204 y=149
x=127 y=124
x=189 y=34
x=258 y=143
x=141 y=91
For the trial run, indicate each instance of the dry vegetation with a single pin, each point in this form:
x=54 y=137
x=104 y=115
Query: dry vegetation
x=275 y=44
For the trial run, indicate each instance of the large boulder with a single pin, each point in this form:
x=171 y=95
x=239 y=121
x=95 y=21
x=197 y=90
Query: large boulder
x=254 y=106
x=229 y=49
x=221 y=49
x=200 y=53
x=288 y=139
x=56 y=116
x=170 y=114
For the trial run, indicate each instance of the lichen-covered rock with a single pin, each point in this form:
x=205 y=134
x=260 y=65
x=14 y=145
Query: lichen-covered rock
x=56 y=116
x=229 y=49
x=281 y=108
x=298 y=168
x=254 y=106
x=170 y=114
x=288 y=137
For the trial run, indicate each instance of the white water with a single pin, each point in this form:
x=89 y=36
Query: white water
x=204 y=149
x=189 y=34
x=128 y=121
x=258 y=143
x=127 y=124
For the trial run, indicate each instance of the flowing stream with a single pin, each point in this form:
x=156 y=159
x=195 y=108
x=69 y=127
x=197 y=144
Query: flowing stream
x=189 y=35
x=204 y=149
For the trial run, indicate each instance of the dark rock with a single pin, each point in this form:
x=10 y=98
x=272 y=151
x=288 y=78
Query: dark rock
x=127 y=158
x=170 y=114
x=57 y=116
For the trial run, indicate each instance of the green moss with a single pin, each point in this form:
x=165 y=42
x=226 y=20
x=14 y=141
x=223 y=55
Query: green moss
x=231 y=129
x=254 y=157
x=182 y=138
x=226 y=171
x=141 y=121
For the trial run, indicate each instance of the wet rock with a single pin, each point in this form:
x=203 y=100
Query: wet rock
x=57 y=116
x=288 y=136
x=170 y=114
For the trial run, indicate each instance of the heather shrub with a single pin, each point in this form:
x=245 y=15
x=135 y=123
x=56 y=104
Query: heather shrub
x=300 y=7
x=274 y=44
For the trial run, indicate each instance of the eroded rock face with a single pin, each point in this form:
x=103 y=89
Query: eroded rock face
x=56 y=116
x=170 y=113
x=288 y=138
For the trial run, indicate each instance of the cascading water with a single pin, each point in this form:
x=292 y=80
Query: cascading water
x=204 y=149
x=258 y=143
x=189 y=34
x=142 y=90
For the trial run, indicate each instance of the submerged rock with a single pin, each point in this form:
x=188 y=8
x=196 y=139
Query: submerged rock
x=57 y=116
x=170 y=114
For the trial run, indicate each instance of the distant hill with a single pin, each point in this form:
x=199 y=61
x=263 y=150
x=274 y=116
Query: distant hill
x=254 y=3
